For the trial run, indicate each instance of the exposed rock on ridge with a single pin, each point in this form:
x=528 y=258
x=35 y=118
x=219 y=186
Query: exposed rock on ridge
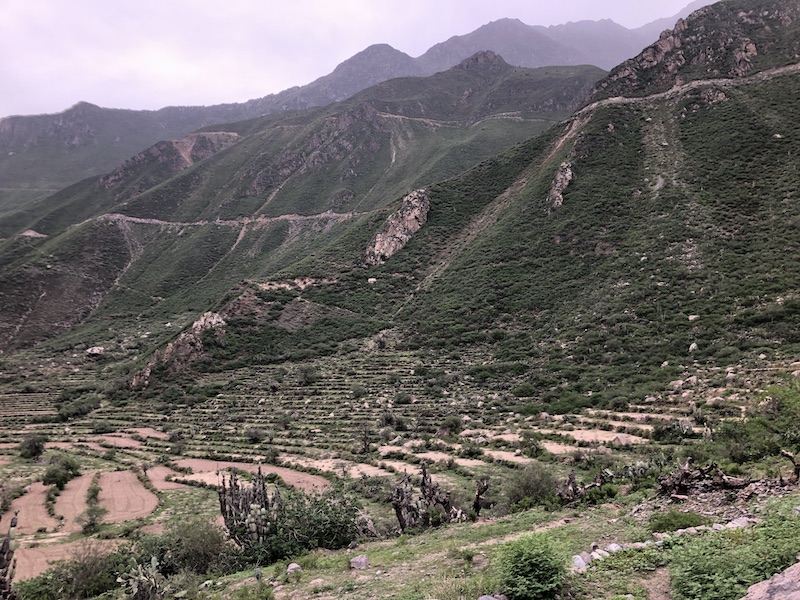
x=725 y=40
x=171 y=157
x=399 y=228
x=185 y=349
x=560 y=183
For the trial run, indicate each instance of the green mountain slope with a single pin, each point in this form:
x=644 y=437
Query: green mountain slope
x=638 y=236
x=198 y=215
x=40 y=154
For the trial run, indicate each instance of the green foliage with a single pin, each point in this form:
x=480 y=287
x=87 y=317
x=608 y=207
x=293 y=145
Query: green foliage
x=724 y=565
x=61 y=470
x=32 y=446
x=531 y=569
x=531 y=486
x=192 y=544
x=770 y=426
x=270 y=525
x=89 y=573
x=673 y=519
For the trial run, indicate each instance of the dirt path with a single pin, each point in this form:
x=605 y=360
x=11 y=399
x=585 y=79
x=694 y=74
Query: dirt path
x=32 y=512
x=124 y=496
x=203 y=467
x=72 y=502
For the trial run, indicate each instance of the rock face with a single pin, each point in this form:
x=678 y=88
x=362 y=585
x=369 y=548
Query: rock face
x=183 y=350
x=715 y=41
x=169 y=158
x=783 y=586
x=399 y=228
x=560 y=183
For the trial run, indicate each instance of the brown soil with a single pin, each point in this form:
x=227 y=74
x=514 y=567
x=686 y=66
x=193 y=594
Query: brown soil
x=333 y=465
x=32 y=512
x=556 y=448
x=118 y=441
x=149 y=432
x=298 y=479
x=595 y=435
x=658 y=585
x=34 y=561
x=72 y=502
x=124 y=496
x=158 y=476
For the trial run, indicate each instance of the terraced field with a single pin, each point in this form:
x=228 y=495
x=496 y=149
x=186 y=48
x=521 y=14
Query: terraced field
x=373 y=415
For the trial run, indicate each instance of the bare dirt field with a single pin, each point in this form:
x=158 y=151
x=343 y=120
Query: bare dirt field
x=72 y=502
x=334 y=465
x=598 y=435
x=32 y=512
x=149 y=432
x=33 y=561
x=556 y=448
x=124 y=496
x=158 y=475
x=298 y=479
x=118 y=441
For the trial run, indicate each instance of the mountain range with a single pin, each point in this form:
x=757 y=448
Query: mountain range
x=653 y=227
x=87 y=140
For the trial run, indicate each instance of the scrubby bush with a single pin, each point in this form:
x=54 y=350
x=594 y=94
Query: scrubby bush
x=534 y=485
x=531 y=569
x=723 y=566
x=672 y=520
x=62 y=469
x=32 y=446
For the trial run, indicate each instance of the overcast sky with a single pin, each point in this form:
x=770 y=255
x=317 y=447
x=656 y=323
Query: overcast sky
x=146 y=54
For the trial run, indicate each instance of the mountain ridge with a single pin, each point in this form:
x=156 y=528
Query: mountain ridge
x=96 y=146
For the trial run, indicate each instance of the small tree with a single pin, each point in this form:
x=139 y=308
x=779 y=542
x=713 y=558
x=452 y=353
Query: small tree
x=32 y=446
x=269 y=525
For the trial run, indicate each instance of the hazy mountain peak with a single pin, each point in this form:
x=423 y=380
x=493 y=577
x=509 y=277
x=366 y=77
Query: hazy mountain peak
x=484 y=58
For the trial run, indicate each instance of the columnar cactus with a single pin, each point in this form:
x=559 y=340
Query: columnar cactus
x=250 y=511
x=8 y=563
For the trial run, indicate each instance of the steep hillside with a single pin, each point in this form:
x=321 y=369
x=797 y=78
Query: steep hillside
x=641 y=235
x=196 y=216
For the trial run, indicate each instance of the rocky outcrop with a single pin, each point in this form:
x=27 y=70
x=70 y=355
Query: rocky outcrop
x=163 y=160
x=183 y=350
x=399 y=228
x=783 y=586
x=715 y=41
x=561 y=180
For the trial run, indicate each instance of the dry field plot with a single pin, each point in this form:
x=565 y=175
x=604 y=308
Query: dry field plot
x=32 y=511
x=31 y=561
x=210 y=472
x=71 y=503
x=124 y=496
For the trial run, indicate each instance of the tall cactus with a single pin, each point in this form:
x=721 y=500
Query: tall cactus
x=250 y=511
x=8 y=563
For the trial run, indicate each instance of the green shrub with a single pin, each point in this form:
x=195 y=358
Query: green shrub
x=673 y=520
x=533 y=485
x=723 y=566
x=32 y=446
x=61 y=471
x=531 y=569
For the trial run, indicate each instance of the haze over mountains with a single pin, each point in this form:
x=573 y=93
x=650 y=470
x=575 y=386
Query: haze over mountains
x=87 y=140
